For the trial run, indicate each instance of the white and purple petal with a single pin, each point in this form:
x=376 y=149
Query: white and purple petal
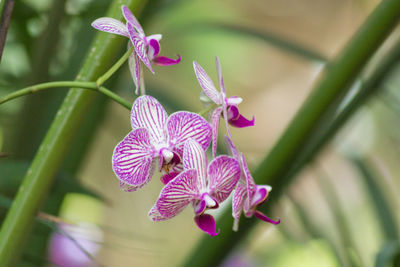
x=207 y=84
x=194 y=157
x=223 y=175
x=148 y=113
x=154 y=48
x=206 y=223
x=140 y=45
x=110 y=25
x=221 y=79
x=215 y=117
x=133 y=160
x=155 y=215
x=129 y=17
x=183 y=125
x=135 y=70
x=238 y=199
x=177 y=194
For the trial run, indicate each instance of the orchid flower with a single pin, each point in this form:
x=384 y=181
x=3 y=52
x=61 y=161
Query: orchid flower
x=155 y=136
x=248 y=196
x=204 y=186
x=226 y=106
x=147 y=48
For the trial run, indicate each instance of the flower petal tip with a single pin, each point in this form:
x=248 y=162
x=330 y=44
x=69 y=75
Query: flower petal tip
x=165 y=61
x=264 y=218
x=206 y=223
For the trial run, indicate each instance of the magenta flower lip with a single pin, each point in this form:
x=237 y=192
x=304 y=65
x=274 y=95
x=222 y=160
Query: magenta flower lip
x=147 y=48
x=155 y=137
x=203 y=185
x=228 y=107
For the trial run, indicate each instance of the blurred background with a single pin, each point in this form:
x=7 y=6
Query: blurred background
x=341 y=210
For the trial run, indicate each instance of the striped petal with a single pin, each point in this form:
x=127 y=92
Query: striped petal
x=215 y=117
x=207 y=84
x=221 y=79
x=183 y=125
x=110 y=25
x=237 y=204
x=129 y=17
x=148 y=113
x=155 y=215
x=195 y=158
x=250 y=184
x=140 y=45
x=135 y=69
x=223 y=175
x=177 y=194
x=133 y=160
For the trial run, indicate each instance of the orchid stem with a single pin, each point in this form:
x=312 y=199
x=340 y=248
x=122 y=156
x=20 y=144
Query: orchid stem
x=67 y=84
x=103 y=78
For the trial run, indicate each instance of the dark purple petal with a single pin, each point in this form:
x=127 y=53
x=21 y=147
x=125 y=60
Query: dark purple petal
x=241 y=122
x=221 y=79
x=154 y=48
x=166 y=61
x=264 y=217
x=233 y=112
x=166 y=178
x=132 y=20
x=135 y=69
x=207 y=84
x=177 y=194
x=238 y=200
x=140 y=46
x=206 y=223
x=133 y=159
x=215 y=117
x=148 y=113
x=183 y=125
x=195 y=158
x=110 y=25
x=223 y=175
x=200 y=207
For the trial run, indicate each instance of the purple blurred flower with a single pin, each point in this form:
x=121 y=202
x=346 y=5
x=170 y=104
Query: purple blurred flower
x=248 y=196
x=204 y=186
x=72 y=244
x=155 y=137
x=147 y=49
x=227 y=106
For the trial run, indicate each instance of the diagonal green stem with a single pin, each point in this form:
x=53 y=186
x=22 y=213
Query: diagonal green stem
x=103 y=78
x=40 y=175
x=66 y=84
x=276 y=167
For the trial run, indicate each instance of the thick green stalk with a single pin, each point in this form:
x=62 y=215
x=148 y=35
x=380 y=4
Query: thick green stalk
x=66 y=84
x=275 y=168
x=39 y=177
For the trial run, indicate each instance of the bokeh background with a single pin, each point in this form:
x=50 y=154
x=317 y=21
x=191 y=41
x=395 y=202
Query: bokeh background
x=341 y=210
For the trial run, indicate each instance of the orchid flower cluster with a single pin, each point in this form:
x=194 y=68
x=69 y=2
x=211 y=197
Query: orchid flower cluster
x=176 y=145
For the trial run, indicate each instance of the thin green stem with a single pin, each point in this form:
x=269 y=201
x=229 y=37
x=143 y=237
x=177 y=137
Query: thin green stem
x=103 y=78
x=276 y=167
x=66 y=84
x=38 y=179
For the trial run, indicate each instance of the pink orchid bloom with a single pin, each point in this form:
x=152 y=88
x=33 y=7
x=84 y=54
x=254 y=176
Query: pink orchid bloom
x=248 y=196
x=147 y=48
x=155 y=136
x=204 y=186
x=227 y=106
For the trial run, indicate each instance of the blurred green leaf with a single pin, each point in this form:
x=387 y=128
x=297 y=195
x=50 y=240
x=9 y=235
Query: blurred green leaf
x=389 y=255
x=377 y=196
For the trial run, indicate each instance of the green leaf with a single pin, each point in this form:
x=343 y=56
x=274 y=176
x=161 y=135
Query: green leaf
x=389 y=255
